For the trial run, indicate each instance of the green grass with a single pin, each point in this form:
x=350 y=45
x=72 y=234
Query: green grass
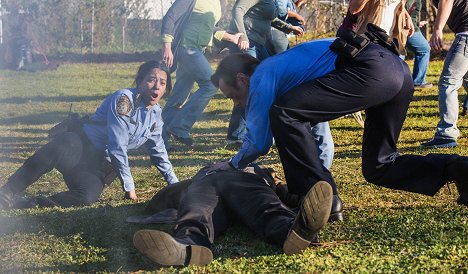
x=385 y=230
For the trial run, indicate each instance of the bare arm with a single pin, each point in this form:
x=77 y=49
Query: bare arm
x=293 y=14
x=443 y=13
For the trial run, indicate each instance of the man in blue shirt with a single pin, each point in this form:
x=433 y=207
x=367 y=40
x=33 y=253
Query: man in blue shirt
x=309 y=84
x=127 y=119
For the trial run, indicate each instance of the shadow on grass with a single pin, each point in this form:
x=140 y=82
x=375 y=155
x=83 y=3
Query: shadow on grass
x=104 y=227
x=36 y=119
x=54 y=99
x=28 y=131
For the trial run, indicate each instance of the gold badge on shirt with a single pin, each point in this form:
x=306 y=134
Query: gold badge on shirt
x=123 y=105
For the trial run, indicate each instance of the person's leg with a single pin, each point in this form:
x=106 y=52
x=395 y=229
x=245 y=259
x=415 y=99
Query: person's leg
x=236 y=129
x=191 y=111
x=261 y=52
x=419 y=45
x=338 y=93
x=180 y=92
x=258 y=207
x=279 y=42
x=63 y=152
x=85 y=181
x=383 y=166
x=84 y=188
x=201 y=214
x=465 y=102
x=451 y=79
x=324 y=141
x=256 y=204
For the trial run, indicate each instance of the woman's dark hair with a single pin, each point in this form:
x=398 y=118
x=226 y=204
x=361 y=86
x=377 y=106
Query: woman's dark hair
x=233 y=64
x=148 y=66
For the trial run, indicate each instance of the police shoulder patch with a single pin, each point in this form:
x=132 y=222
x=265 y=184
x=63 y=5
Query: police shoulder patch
x=124 y=106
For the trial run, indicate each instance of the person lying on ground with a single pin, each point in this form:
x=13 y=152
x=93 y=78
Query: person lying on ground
x=209 y=202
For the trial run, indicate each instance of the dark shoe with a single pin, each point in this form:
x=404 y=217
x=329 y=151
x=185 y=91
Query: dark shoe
x=439 y=143
x=188 y=141
x=289 y=199
x=162 y=248
x=293 y=200
x=458 y=173
x=423 y=85
x=336 y=213
x=6 y=198
x=313 y=215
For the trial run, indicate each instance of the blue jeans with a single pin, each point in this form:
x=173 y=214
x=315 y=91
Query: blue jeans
x=324 y=141
x=454 y=73
x=181 y=111
x=278 y=43
x=419 y=45
x=236 y=128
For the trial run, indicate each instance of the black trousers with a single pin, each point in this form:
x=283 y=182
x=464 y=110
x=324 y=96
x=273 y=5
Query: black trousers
x=78 y=161
x=210 y=203
x=377 y=81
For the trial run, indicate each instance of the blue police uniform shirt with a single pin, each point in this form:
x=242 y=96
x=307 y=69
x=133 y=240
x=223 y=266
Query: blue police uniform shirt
x=116 y=134
x=272 y=78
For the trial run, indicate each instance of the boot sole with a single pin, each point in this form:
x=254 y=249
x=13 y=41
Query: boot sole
x=316 y=206
x=162 y=248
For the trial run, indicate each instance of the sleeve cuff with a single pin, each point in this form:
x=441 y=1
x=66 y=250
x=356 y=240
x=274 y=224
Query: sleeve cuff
x=218 y=35
x=167 y=38
x=232 y=165
x=243 y=38
x=172 y=179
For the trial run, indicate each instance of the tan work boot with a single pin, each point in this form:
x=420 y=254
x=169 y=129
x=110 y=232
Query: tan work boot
x=162 y=248
x=313 y=215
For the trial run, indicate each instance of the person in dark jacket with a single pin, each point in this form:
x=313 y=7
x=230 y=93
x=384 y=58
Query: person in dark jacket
x=209 y=202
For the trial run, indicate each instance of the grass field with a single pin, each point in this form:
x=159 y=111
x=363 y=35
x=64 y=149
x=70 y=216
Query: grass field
x=385 y=231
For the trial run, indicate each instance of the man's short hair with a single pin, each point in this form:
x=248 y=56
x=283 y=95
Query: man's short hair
x=233 y=64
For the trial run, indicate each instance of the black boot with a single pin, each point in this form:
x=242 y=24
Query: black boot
x=336 y=210
x=313 y=214
x=162 y=248
x=293 y=201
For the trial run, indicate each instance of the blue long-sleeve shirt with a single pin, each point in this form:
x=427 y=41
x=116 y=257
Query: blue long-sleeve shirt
x=116 y=134
x=272 y=78
x=283 y=7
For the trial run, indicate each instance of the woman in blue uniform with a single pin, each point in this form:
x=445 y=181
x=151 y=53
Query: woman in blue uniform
x=127 y=119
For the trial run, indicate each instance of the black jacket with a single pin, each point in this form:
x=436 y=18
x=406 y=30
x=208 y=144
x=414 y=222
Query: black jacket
x=174 y=23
